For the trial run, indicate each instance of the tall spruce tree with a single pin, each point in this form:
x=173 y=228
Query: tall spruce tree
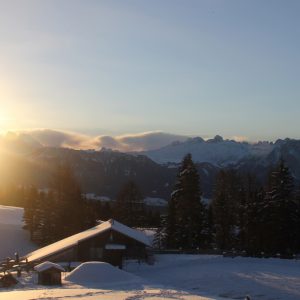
x=297 y=201
x=129 y=207
x=159 y=240
x=67 y=204
x=225 y=207
x=31 y=216
x=280 y=212
x=186 y=213
x=252 y=223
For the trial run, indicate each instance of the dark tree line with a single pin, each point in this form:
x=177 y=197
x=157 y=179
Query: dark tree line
x=12 y=195
x=130 y=209
x=58 y=213
x=63 y=210
x=242 y=214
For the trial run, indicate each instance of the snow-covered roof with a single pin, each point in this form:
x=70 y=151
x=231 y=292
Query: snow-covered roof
x=79 y=237
x=48 y=265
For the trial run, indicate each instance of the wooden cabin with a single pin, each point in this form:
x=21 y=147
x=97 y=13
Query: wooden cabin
x=109 y=241
x=49 y=273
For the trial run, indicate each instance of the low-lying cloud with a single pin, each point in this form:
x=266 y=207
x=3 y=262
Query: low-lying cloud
x=140 y=142
x=127 y=143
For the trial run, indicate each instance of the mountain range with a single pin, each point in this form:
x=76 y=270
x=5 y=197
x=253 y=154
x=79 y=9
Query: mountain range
x=103 y=172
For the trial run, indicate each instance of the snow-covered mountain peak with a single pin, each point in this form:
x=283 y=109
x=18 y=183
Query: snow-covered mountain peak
x=216 y=151
x=216 y=139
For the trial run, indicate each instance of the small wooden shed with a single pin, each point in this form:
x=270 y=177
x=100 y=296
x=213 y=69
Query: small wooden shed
x=49 y=273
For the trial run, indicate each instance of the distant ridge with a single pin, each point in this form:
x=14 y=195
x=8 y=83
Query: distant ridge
x=217 y=151
x=104 y=172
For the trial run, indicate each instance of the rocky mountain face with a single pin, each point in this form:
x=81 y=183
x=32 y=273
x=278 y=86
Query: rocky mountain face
x=288 y=150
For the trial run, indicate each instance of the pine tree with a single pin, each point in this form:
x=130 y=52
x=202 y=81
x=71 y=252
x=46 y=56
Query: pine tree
x=280 y=212
x=129 y=207
x=186 y=213
x=171 y=233
x=31 y=216
x=159 y=240
x=68 y=207
x=253 y=225
x=208 y=228
x=48 y=227
x=297 y=202
x=225 y=207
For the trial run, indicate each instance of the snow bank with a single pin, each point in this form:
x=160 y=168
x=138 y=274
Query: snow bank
x=99 y=273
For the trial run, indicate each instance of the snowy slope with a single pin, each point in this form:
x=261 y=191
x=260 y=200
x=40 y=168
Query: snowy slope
x=12 y=236
x=263 y=279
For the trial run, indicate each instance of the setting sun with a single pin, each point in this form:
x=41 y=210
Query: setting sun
x=6 y=121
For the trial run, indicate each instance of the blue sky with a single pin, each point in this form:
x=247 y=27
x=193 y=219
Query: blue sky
x=185 y=67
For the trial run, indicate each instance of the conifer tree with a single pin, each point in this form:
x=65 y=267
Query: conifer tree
x=159 y=240
x=48 y=225
x=297 y=202
x=171 y=233
x=129 y=207
x=225 y=207
x=280 y=212
x=253 y=225
x=31 y=216
x=68 y=204
x=186 y=213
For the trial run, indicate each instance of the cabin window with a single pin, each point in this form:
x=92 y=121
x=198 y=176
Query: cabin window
x=96 y=253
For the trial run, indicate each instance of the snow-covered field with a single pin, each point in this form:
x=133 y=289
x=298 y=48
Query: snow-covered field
x=13 y=238
x=96 y=280
x=179 y=277
x=225 y=277
x=182 y=277
x=128 y=293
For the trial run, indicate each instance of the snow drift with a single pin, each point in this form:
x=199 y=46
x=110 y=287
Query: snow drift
x=100 y=273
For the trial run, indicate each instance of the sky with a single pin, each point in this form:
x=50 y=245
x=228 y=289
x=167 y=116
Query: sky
x=115 y=67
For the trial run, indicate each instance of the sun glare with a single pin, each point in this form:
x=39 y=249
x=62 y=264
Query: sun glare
x=5 y=122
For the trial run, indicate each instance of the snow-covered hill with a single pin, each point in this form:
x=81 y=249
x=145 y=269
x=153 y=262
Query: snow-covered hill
x=12 y=236
x=216 y=151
